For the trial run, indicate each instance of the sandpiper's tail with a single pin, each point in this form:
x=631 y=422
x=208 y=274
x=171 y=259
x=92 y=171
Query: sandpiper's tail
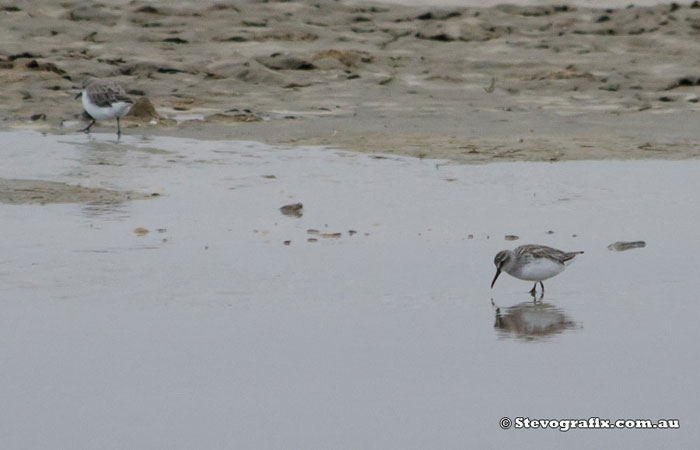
x=568 y=256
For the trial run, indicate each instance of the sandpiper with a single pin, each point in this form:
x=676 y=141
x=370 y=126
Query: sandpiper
x=532 y=263
x=104 y=99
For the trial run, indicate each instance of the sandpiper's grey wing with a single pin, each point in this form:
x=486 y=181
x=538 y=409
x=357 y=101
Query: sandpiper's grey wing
x=106 y=93
x=542 y=251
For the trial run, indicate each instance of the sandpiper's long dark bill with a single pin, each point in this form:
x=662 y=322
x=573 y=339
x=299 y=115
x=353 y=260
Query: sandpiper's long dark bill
x=104 y=99
x=532 y=263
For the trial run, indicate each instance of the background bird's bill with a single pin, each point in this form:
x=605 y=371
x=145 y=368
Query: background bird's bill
x=498 y=272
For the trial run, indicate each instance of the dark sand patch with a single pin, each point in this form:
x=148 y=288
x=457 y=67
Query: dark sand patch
x=23 y=192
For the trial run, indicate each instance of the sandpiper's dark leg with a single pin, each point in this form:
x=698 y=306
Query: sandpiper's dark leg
x=119 y=129
x=87 y=128
x=542 y=287
x=533 y=291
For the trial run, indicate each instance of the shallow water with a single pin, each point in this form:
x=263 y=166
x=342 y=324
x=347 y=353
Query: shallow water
x=209 y=332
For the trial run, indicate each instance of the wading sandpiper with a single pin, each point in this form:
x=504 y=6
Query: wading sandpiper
x=532 y=263
x=104 y=99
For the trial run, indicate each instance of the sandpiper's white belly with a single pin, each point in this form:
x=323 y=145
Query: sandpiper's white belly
x=536 y=269
x=118 y=109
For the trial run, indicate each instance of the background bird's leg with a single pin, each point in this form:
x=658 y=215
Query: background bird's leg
x=87 y=128
x=119 y=129
x=542 y=287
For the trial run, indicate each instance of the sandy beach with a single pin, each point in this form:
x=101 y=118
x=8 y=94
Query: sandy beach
x=536 y=83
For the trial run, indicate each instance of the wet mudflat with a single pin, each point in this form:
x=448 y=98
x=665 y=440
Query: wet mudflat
x=465 y=80
x=205 y=317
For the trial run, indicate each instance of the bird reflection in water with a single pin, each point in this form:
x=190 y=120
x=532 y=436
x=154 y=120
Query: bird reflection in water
x=532 y=321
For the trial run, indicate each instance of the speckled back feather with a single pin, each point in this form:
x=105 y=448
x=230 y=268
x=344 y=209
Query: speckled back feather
x=105 y=93
x=542 y=251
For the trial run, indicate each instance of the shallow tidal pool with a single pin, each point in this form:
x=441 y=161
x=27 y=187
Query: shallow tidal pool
x=202 y=317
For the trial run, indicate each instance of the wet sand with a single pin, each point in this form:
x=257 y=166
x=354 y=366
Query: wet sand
x=16 y=192
x=534 y=83
x=185 y=321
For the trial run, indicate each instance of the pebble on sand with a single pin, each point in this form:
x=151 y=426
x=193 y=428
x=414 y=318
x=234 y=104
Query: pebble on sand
x=143 y=109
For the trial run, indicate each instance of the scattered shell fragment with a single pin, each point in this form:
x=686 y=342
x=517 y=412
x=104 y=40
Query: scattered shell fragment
x=293 y=210
x=331 y=235
x=287 y=242
x=312 y=240
x=140 y=231
x=621 y=246
x=312 y=231
x=512 y=237
x=352 y=232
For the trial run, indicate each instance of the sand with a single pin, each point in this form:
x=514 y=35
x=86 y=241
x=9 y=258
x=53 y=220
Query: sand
x=22 y=192
x=540 y=83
